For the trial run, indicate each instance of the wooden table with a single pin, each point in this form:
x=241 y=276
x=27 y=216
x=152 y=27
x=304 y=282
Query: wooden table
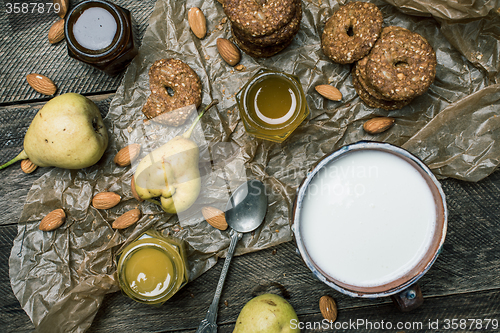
x=463 y=284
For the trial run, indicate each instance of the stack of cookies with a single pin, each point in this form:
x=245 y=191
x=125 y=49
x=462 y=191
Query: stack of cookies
x=393 y=64
x=400 y=67
x=263 y=28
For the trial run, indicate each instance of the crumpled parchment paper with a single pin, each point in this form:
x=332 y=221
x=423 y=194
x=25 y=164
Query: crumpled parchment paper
x=450 y=10
x=61 y=277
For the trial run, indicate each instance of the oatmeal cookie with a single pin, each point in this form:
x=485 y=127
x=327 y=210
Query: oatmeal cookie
x=259 y=51
x=351 y=32
x=375 y=102
x=401 y=65
x=360 y=72
x=280 y=36
x=186 y=85
x=259 y=17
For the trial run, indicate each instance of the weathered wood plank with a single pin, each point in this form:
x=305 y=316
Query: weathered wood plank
x=14 y=122
x=12 y=317
x=25 y=49
x=470 y=261
x=440 y=311
x=249 y=275
x=255 y=273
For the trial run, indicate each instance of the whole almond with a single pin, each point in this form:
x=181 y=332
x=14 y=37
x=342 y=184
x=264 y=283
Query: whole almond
x=127 y=154
x=27 y=166
x=197 y=22
x=329 y=92
x=328 y=308
x=56 y=32
x=228 y=51
x=41 y=83
x=63 y=7
x=105 y=200
x=127 y=219
x=215 y=217
x=134 y=191
x=378 y=125
x=52 y=220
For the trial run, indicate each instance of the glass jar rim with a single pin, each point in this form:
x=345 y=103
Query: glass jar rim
x=78 y=10
x=417 y=271
x=258 y=77
x=168 y=250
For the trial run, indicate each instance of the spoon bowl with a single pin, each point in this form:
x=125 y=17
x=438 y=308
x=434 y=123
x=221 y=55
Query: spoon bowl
x=247 y=207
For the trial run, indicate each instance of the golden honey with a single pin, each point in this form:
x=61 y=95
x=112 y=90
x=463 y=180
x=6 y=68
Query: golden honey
x=152 y=268
x=272 y=105
x=272 y=101
x=149 y=271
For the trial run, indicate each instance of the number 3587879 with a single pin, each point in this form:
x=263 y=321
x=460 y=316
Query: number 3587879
x=31 y=8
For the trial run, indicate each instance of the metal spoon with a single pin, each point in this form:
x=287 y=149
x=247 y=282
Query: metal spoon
x=245 y=212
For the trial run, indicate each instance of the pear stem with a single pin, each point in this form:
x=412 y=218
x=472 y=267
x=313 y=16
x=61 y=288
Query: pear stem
x=188 y=133
x=22 y=156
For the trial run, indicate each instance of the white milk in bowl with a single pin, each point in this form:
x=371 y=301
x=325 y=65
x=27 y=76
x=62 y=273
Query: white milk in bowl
x=367 y=218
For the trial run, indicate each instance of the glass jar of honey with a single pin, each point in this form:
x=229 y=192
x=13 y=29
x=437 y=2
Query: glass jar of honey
x=272 y=105
x=100 y=34
x=152 y=268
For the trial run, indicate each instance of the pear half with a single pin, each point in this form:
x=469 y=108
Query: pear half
x=170 y=173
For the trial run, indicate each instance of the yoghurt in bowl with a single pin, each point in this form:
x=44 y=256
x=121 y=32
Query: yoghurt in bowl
x=369 y=219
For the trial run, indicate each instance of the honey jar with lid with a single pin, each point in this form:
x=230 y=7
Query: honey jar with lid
x=99 y=33
x=272 y=105
x=153 y=268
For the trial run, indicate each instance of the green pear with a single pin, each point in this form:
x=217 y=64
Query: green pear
x=67 y=132
x=267 y=313
x=171 y=173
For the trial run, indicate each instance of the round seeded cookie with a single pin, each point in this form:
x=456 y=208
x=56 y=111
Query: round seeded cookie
x=393 y=29
x=259 y=17
x=360 y=72
x=401 y=65
x=257 y=51
x=360 y=69
x=174 y=74
x=279 y=36
x=374 y=102
x=351 y=32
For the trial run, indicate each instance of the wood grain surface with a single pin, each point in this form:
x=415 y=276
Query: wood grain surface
x=25 y=49
x=464 y=283
x=467 y=272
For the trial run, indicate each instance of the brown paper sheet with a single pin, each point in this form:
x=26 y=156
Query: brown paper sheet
x=449 y=10
x=61 y=277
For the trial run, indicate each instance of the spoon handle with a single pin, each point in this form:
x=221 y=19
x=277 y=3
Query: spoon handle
x=209 y=324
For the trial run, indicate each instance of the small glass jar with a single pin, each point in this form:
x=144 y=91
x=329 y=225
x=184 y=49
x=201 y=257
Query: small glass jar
x=152 y=268
x=272 y=105
x=100 y=34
